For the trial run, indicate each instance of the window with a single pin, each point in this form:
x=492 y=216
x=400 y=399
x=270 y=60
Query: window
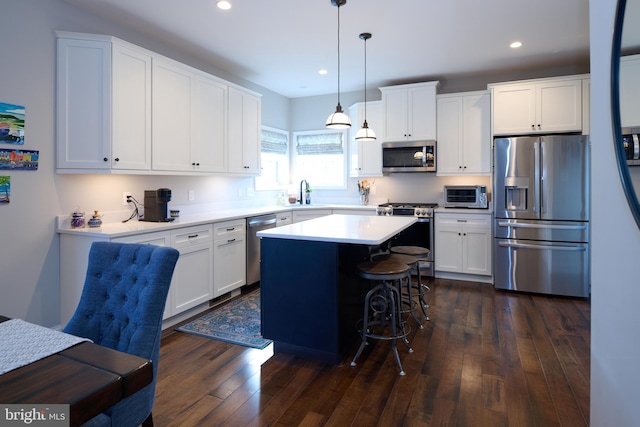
x=274 y=160
x=320 y=158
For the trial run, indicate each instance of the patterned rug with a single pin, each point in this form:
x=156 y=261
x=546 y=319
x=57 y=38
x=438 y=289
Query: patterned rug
x=237 y=322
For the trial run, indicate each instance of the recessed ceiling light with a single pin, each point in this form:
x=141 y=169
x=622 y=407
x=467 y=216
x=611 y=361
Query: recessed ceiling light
x=224 y=5
x=323 y=72
x=515 y=45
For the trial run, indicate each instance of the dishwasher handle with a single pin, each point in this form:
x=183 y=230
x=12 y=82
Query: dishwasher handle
x=259 y=222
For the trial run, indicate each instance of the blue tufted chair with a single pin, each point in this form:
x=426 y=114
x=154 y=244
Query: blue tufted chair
x=121 y=307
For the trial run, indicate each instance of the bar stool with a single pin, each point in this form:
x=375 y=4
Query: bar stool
x=382 y=306
x=407 y=297
x=420 y=253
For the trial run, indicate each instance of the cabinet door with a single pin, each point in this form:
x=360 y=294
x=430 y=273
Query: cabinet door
x=209 y=118
x=448 y=248
x=229 y=260
x=131 y=97
x=514 y=109
x=394 y=114
x=630 y=91
x=559 y=106
x=193 y=276
x=476 y=142
x=365 y=156
x=421 y=113
x=450 y=135
x=243 y=132
x=284 y=218
x=172 y=89
x=83 y=104
x=476 y=250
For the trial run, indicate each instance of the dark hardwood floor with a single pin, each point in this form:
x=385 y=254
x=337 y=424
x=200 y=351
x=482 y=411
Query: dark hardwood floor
x=486 y=358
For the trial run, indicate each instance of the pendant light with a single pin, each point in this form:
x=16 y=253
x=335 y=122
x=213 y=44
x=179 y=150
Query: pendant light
x=338 y=120
x=364 y=133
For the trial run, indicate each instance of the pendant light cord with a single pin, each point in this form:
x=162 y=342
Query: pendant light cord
x=338 y=53
x=365 y=79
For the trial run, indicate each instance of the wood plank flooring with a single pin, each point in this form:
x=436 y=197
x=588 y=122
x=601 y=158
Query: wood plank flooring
x=486 y=358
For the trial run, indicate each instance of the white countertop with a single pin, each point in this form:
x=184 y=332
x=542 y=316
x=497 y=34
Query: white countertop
x=120 y=229
x=354 y=229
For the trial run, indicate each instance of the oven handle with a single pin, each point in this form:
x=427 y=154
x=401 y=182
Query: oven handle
x=506 y=244
x=541 y=226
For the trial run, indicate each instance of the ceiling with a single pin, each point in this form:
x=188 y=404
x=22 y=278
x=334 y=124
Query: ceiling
x=282 y=44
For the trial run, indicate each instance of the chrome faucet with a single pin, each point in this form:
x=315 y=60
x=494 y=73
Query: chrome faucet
x=302 y=195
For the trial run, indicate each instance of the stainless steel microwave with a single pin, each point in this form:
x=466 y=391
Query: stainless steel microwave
x=631 y=141
x=409 y=156
x=466 y=196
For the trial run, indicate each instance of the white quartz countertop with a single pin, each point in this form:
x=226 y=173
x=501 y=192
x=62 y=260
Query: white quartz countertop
x=337 y=228
x=121 y=229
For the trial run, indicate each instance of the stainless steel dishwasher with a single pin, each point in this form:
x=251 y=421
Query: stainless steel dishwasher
x=255 y=224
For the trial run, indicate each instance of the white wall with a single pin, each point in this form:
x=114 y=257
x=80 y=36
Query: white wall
x=615 y=251
x=29 y=256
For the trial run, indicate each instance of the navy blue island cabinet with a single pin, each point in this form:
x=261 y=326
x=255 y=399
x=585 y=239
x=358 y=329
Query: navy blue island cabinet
x=311 y=295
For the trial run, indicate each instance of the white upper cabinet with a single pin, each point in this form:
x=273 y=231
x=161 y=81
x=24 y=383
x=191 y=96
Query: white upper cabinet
x=409 y=112
x=544 y=106
x=189 y=118
x=464 y=133
x=124 y=109
x=630 y=91
x=103 y=105
x=365 y=157
x=244 y=132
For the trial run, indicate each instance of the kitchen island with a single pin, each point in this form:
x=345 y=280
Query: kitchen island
x=311 y=295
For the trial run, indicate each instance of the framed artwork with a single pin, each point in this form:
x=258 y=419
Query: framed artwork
x=11 y=123
x=5 y=189
x=18 y=159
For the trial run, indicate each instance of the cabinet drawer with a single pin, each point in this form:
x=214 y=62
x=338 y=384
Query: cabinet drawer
x=476 y=220
x=228 y=229
x=190 y=236
x=284 y=218
x=160 y=239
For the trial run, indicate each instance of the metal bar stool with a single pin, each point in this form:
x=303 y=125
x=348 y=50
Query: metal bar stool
x=420 y=253
x=407 y=297
x=382 y=306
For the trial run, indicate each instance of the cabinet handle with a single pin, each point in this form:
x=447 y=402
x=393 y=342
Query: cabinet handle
x=459 y=234
x=539 y=126
x=117 y=159
x=464 y=234
x=105 y=159
x=231 y=229
x=533 y=126
x=461 y=220
x=231 y=240
x=192 y=236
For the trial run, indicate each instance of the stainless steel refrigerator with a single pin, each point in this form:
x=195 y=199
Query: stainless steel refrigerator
x=541 y=211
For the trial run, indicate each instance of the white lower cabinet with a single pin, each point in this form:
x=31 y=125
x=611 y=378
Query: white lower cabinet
x=463 y=243
x=305 y=214
x=284 y=218
x=192 y=282
x=229 y=256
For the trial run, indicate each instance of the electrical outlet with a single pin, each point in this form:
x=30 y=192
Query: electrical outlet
x=373 y=191
x=192 y=195
x=124 y=197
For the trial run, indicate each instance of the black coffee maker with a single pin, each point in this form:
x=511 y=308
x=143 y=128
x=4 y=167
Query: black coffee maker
x=155 y=205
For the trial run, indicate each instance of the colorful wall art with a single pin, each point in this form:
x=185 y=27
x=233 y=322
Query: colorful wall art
x=5 y=189
x=18 y=159
x=11 y=123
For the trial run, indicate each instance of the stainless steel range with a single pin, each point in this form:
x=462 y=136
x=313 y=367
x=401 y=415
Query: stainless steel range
x=419 y=234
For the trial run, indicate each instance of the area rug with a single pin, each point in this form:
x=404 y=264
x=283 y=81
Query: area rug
x=237 y=322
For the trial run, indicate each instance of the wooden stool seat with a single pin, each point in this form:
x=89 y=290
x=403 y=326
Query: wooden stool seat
x=416 y=251
x=384 y=269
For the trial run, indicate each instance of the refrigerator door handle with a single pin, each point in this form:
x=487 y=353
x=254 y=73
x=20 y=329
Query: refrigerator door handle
x=541 y=226
x=540 y=170
x=536 y=177
x=507 y=244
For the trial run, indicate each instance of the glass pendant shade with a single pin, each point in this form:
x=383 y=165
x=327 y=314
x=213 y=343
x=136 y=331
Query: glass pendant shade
x=365 y=134
x=338 y=120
